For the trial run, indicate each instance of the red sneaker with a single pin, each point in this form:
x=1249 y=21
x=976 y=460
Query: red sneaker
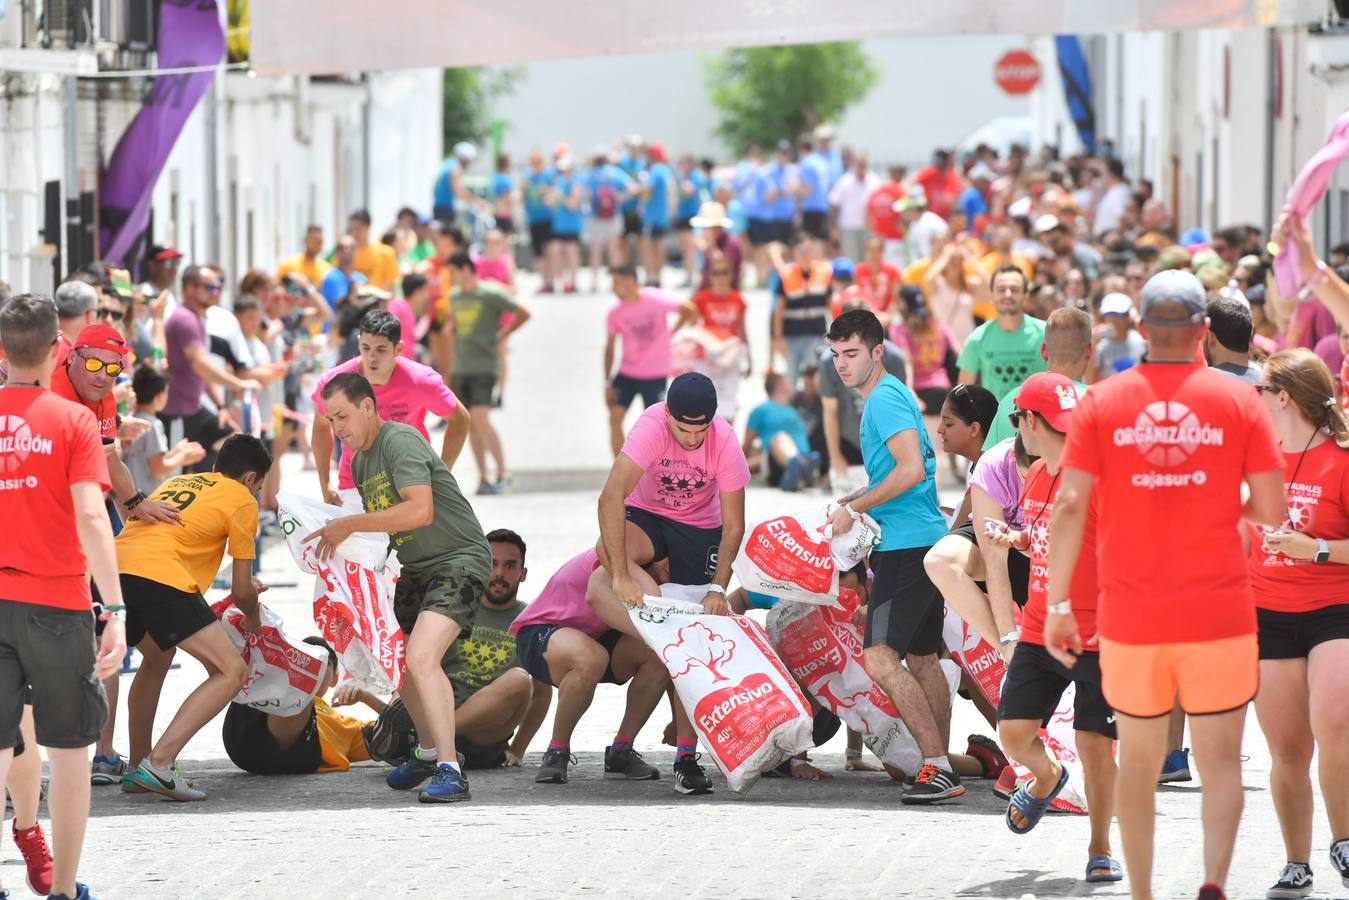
x=1006 y=783
x=1211 y=892
x=36 y=856
x=988 y=753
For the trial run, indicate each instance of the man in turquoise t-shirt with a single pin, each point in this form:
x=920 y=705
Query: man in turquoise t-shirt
x=1066 y=351
x=780 y=430
x=904 y=615
x=1004 y=352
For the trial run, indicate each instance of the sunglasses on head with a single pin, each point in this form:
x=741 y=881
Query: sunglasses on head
x=92 y=364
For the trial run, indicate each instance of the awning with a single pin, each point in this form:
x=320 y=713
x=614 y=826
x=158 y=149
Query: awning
x=328 y=36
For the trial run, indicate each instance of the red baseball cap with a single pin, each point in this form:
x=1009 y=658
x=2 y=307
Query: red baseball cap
x=160 y=253
x=101 y=337
x=656 y=150
x=1052 y=396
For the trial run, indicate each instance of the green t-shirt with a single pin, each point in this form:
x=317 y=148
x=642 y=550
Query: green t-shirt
x=400 y=457
x=477 y=321
x=474 y=662
x=1004 y=359
x=1001 y=429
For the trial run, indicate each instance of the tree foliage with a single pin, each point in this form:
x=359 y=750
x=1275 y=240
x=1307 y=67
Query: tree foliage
x=765 y=94
x=470 y=95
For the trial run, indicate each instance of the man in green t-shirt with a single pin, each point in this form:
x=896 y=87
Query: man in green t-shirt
x=409 y=493
x=1066 y=351
x=482 y=315
x=1004 y=352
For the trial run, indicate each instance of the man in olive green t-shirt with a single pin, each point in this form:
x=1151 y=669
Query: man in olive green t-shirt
x=408 y=493
x=476 y=312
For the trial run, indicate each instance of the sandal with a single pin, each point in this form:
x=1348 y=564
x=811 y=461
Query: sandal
x=1033 y=808
x=1116 y=872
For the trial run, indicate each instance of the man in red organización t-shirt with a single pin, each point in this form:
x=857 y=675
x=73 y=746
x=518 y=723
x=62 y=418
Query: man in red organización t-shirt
x=52 y=478
x=1167 y=445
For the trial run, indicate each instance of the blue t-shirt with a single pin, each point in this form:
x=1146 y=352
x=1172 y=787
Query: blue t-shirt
x=746 y=186
x=815 y=175
x=565 y=219
x=502 y=182
x=607 y=176
x=660 y=179
x=633 y=166
x=443 y=192
x=769 y=419
x=689 y=203
x=536 y=208
x=337 y=285
x=972 y=204
x=775 y=177
x=912 y=519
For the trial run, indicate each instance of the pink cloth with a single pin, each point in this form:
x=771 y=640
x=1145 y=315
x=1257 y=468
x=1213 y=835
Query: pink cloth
x=1303 y=196
x=644 y=325
x=684 y=485
x=497 y=269
x=563 y=599
x=402 y=311
x=411 y=392
x=1311 y=323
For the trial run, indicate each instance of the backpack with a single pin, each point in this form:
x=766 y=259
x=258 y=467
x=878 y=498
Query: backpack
x=606 y=202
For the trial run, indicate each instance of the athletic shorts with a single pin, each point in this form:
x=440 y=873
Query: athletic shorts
x=47 y=659
x=816 y=224
x=473 y=389
x=540 y=233
x=167 y=614
x=1292 y=635
x=632 y=222
x=780 y=231
x=905 y=610
x=203 y=427
x=505 y=224
x=626 y=389
x=568 y=237
x=685 y=223
x=692 y=552
x=759 y=232
x=531 y=643
x=251 y=746
x=655 y=232
x=1036 y=681
x=932 y=399
x=1144 y=680
x=1018 y=567
x=482 y=756
x=448 y=590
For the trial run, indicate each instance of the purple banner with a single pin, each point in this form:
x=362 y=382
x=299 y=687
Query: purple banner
x=190 y=34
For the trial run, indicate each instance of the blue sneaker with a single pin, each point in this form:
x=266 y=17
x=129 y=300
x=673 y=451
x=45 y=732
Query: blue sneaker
x=1176 y=768
x=447 y=786
x=411 y=773
x=81 y=893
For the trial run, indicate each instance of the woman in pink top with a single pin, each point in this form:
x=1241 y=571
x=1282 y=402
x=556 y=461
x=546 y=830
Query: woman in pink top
x=496 y=264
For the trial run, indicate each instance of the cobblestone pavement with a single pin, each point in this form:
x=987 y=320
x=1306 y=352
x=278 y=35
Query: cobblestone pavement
x=349 y=836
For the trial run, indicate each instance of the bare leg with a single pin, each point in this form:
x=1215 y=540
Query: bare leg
x=1142 y=747
x=1217 y=750
x=1020 y=740
x=491 y=440
x=928 y=673
x=1327 y=677
x=426 y=692
x=68 y=803
x=143 y=698
x=1175 y=736
x=649 y=682
x=978 y=699
x=1282 y=709
x=490 y=715
x=954 y=565
x=104 y=747
x=576 y=663
x=225 y=677
x=477 y=439
x=25 y=776
x=1099 y=772
x=616 y=414
x=909 y=698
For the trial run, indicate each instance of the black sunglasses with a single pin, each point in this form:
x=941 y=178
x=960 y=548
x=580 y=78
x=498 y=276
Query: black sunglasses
x=1266 y=389
x=115 y=315
x=1015 y=417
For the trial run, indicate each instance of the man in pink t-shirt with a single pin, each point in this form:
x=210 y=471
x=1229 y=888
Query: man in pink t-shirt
x=561 y=642
x=641 y=316
x=405 y=391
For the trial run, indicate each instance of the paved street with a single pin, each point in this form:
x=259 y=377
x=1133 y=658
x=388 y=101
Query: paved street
x=349 y=836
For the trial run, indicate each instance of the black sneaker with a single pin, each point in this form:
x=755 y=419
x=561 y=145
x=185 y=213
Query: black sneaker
x=628 y=763
x=1339 y=858
x=1295 y=881
x=689 y=777
x=554 y=767
x=391 y=737
x=932 y=784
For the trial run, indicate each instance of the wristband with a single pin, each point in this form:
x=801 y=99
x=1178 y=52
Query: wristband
x=1011 y=636
x=852 y=512
x=1063 y=608
x=715 y=588
x=1320 y=276
x=113 y=612
x=135 y=500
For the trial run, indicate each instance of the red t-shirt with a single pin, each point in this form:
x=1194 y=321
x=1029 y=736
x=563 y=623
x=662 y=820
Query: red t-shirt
x=46 y=445
x=1318 y=506
x=856 y=292
x=881 y=211
x=1169 y=445
x=942 y=188
x=1037 y=506
x=105 y=410
x=880 y=283
x=723 y=314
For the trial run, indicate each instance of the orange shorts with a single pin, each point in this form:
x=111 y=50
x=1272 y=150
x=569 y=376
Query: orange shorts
x=1144 y=680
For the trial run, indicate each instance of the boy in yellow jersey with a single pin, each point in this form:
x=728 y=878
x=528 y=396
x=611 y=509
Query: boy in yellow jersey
x=164 y=572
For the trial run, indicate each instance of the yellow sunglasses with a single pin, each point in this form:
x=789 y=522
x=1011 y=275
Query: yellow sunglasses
x=93 y=365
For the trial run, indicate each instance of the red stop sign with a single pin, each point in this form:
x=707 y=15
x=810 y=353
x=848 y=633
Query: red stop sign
x=1016 y=72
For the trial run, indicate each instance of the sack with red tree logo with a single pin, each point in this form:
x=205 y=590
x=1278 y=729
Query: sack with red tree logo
x=353 y=593
x=283 y=674
x=823 y=650
x=749 y=714
x=977 y=657
x=799 y=558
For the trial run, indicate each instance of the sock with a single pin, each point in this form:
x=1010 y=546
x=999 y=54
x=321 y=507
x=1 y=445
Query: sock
x=850 y=753
x=453 y=765
x=622 y=743
x=559 y=745
x=685 y=746
x=941 y=762
x=425 y=754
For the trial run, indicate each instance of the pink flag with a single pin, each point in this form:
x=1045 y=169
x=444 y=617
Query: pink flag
x=1305 y=193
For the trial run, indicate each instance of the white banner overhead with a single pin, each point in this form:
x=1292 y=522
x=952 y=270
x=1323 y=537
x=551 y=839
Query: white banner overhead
x=327 y=36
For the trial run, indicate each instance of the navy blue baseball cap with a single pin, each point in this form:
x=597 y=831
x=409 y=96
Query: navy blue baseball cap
x=692 y=399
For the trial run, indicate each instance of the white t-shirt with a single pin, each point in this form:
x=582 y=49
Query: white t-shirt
x=1110 y=209
x=850 y=196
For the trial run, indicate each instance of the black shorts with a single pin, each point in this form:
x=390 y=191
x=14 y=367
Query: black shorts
x=473 y=389
x=482 y=756
x=816 y=224
x=632 y=222
x=759 y=232
x=251 y=746
x=905 y=611
x=932 y=399
x=685 y=223
x=505 y=224
x=655 y=232
x=47 y=659
x=651 y=390
x=165 y=613
x=1036 y=681
x=692 y=552
x=567 y=237
x=780 y=230
x=1018 y=566
x=203 y=427
x=531 y=643
x=540 y=233
x=1292 y=635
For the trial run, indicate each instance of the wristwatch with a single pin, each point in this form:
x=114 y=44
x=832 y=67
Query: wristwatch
x=1011 y=636
x=1322 y=551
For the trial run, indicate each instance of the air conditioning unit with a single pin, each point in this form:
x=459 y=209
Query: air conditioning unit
x=68 y=23
x=128 y=24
